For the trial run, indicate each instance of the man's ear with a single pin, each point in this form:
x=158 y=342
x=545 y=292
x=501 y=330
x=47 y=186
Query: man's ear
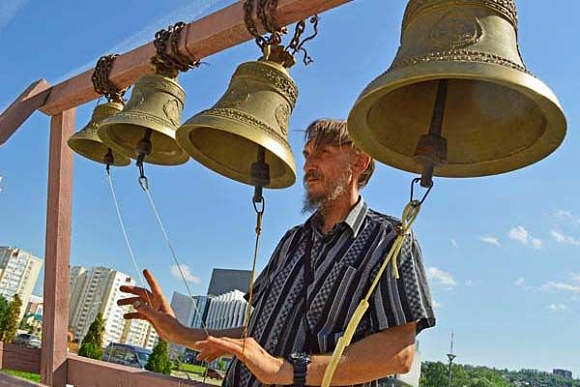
x=361 y=162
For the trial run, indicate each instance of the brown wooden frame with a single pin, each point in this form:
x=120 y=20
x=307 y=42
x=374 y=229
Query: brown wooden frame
x=214 y=33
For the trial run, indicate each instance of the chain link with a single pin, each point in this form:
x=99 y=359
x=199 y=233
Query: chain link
x=265 y=11
x=170 y=63
x=101 y=79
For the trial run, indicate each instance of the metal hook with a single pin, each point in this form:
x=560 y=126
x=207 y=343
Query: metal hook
x=417 y=202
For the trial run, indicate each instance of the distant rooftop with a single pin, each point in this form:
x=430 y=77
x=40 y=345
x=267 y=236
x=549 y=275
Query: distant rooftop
x=225 y=280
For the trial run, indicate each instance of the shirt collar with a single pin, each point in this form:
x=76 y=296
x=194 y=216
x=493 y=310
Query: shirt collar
x=354 y=219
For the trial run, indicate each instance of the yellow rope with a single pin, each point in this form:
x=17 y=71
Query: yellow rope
x=410 y=213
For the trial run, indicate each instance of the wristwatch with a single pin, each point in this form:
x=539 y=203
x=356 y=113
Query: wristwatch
x=300 y=362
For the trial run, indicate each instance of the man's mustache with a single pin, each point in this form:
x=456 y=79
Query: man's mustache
x=313 y=175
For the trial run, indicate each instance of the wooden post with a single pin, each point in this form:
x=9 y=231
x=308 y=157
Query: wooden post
x=57 y=251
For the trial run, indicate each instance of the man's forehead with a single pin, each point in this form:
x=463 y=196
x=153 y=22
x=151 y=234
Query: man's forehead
x=315 y=144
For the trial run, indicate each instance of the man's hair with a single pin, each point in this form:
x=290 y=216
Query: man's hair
x=335 y=132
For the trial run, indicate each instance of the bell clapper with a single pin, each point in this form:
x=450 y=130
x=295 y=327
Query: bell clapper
x=261 y=177
x=109 y=159
x=432 y=148
x=143 y=149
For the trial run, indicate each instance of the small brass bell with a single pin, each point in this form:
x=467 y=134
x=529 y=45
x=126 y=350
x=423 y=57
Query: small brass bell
x=253 y=115
x=498 y=117
x=87 y=143
x=153 y=113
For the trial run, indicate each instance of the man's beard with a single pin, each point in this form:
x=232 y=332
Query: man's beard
x=332 y=190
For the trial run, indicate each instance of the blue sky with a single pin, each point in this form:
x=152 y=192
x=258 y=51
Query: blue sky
x=503 y=252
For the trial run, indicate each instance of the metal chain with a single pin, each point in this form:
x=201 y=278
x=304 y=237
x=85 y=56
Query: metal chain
x=101 y=79
x=172 y=62
x=296 y=45
x=265 y=10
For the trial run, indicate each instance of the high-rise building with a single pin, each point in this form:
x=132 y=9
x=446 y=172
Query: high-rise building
x=190 y=311
x=96 y=290
x=19 y=272
x=226 y=280
x=227 y=311
x=139 y=333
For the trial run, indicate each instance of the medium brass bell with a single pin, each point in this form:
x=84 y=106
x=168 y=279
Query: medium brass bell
x=148 y=122
x=497 y=116
x=87 y=143
x=253 y=115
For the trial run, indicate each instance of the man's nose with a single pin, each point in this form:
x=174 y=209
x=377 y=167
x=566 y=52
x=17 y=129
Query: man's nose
x=309 y=163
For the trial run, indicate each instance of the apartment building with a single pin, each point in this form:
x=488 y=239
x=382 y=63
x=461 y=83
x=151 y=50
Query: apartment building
x=19 y=272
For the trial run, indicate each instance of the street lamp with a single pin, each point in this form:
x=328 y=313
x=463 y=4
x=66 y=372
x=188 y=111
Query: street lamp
x=451 y=357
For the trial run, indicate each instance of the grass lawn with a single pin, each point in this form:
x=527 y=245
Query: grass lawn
x=196 y=369
x=24 y=375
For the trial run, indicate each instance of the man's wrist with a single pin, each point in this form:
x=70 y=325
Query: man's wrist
x=286 y=373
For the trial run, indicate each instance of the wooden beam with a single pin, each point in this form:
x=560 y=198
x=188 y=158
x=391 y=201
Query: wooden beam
x=19 y=358
x=57 y=251
x=31 y=99
x=204 y=37
x=82 y=371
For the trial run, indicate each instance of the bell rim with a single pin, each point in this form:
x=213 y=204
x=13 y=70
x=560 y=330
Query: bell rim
x=120 y=159
x=530 y=86
x=103 y=133
x=281 y=152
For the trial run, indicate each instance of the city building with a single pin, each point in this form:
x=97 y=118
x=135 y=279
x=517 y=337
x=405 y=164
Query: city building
x=227 y=310
x=226 y=280
x=35 y=305
x=96 y=290
x=19 y=272
x=139 y=333
x=191 y=312
x=563 y=373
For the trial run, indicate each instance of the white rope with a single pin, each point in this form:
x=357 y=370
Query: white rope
x=174 y=254
x=122 y=224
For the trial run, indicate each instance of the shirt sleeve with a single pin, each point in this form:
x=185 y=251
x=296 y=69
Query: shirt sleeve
x=404 y=300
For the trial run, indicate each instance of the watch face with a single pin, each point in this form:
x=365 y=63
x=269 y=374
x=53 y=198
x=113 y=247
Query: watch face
x=300 y=356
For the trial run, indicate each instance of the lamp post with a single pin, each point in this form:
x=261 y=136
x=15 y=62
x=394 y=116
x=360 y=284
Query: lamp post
x=451 y=357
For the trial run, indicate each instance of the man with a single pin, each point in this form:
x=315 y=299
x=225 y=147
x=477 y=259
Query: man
x=337 y=253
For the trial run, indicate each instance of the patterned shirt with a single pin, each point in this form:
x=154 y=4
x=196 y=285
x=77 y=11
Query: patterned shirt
x=338 y=267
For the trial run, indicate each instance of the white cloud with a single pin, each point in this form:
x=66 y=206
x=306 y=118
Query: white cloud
x=490 y=240
x=441 y=276
x=575 y=277
x=9 y=9
x=557 y=307
x=561 y=286
x=453 y=243
x=468 y=283
x=520 y=281
x=522 y=235
x=187 y=274
x=565 y=239
x=562 y=214
x=437 y=305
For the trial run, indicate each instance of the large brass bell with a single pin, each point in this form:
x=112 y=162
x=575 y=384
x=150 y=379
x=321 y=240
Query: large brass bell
x=148 y=122
x=252 y=116
x=87 y=143
x=497 y=116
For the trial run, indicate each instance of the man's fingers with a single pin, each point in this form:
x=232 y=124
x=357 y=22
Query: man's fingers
x=153 y=284
x=134 y=315
x=143 y=293
x=128 y=301
x=234 y=347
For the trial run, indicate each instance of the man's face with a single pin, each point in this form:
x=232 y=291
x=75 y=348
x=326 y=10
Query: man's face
x=327 y=173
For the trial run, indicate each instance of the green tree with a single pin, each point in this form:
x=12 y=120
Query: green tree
x=3 y=306
x=9 y=322
x=92 y=344
x=434 y=374
x=159 y=359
